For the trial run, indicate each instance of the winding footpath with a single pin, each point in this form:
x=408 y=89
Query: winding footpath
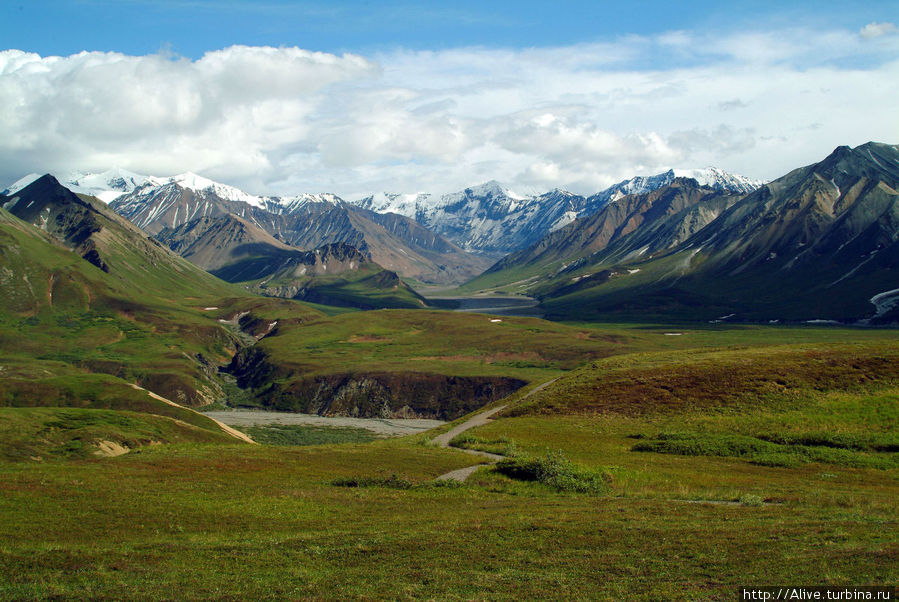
x=476 y=420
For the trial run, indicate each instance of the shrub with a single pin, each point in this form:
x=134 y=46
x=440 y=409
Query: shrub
x=556 y=471
x=502 y=446
x=391 y=482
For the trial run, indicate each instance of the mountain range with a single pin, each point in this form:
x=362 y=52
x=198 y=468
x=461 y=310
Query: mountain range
x=493 y=220
x=462 y=234
x=818 y=243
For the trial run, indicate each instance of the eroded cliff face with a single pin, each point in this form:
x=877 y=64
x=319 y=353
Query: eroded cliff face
x=367 y=394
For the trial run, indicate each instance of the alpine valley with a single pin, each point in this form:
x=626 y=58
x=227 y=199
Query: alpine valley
x=202 y=389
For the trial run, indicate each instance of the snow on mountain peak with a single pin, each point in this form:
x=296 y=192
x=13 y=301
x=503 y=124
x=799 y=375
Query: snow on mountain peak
x=496 y=189
x=389 y=202
x=20 y=184
x=197 y=183
x=106 y=185
x=719 y=179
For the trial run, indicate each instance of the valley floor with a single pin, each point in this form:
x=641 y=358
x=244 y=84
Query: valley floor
x=236 y=522
x=391 y=427
x=705 y=470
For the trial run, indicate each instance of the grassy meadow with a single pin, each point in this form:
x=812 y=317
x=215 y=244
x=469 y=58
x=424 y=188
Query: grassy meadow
x=664 y=467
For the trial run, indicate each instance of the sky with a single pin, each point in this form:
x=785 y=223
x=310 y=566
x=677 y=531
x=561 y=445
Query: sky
x=279 y=97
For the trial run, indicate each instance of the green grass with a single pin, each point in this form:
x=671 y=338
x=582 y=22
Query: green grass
x=460 y=344
x=760 y=450
x=298 y=434
x=57 y=385
x=42 y=434
x=240 y=521
x=581 y=512
x=368 y=287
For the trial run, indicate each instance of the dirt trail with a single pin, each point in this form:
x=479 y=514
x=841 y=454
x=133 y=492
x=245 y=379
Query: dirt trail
x=476 y=420
x=231 y=431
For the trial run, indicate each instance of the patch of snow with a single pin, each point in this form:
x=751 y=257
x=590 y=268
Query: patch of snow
x=633 y=271
x=209 y=308
x=674 y=334
x=820 y=321
x=20 y=184
x=885 y=301
x=721 y=319
x=879 y=164
x=495 y=320
x=106 y=186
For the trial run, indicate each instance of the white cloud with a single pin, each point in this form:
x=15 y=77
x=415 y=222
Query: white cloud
x=875 y=29
x=285 y=120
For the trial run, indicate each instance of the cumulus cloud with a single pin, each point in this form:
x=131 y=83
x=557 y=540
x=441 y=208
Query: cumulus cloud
x=286 y=120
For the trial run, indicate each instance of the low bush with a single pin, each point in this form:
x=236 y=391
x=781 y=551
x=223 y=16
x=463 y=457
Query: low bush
x=391 y=482
x=502 y=446
x=556 y=471
x=394 y=482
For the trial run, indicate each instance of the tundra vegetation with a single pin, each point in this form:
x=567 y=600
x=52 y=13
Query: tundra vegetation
x=736 y=453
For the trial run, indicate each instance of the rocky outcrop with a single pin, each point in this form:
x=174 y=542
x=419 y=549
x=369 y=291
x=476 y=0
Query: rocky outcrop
x=369 y=394
x=389 y=394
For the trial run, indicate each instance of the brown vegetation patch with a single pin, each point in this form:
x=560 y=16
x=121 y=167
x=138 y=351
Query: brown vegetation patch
x=368 y=338
x=723 y=379
x=446 y=358
x=506 y=356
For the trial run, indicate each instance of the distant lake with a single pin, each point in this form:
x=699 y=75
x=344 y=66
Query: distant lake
x=499 y=306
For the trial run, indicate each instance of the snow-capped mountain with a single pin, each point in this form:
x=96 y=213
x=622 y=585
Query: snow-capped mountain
x=106 y=186
x=493 y=220
x=204 y=187
x=490 y=219
x=20 y=184
x=710 y=177
x=306 y=221
x=401 y=204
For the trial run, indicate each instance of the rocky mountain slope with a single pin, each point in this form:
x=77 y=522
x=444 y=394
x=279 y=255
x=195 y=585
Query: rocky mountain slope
x=642 y=212
x=818 y=243
x=306 y=222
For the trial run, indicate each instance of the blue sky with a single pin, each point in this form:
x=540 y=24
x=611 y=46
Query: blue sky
x=359 y=97
x=191 y=27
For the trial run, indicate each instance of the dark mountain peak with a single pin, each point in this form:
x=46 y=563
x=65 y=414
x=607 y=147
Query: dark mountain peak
x=683 y=182
x=341 y=251
x=872 y=160
x=48 y=188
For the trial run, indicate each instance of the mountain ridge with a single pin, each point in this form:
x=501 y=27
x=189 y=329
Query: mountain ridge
x=821 y=242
